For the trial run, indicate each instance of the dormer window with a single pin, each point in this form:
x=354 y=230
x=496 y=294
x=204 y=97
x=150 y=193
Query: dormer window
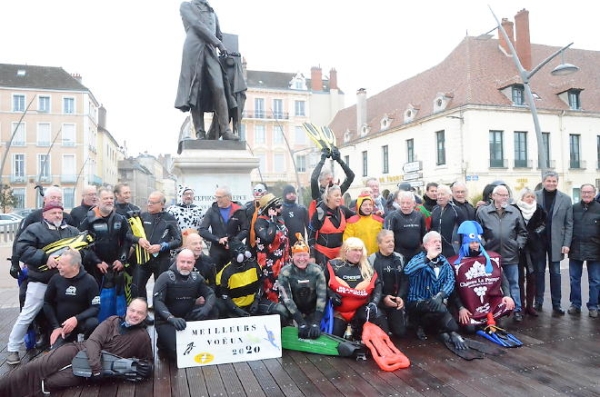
x=518 y=95
x=385 y=122
x=347 y=136
x=410 y=114
x=364 y=130
x=574 y=100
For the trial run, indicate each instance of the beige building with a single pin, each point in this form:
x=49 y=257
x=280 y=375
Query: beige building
x=467 y=119
x=48 y=132
x=277 y=105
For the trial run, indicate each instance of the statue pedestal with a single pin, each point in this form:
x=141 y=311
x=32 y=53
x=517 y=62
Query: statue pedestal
x=205 y=165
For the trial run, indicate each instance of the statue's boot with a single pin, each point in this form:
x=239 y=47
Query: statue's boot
x=229 y=136
x=200 y=134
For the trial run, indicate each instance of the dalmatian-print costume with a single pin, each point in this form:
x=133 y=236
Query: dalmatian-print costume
x=188 y=216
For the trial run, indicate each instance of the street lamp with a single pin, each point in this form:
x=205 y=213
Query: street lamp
x=561 y=70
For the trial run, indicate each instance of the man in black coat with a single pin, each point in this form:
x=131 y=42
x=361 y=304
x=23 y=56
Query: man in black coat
x=72 y=301
x=89 y=199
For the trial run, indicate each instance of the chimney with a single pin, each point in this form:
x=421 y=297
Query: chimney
x=102 y=117
x=77 y=77
x=523 y=46
x=333 y=84
x=316 y=78
x=508 y=27
x=361 y=109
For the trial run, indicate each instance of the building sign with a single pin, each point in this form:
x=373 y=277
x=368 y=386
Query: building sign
x=412 y=167
x=206 y=201
x=229 y=340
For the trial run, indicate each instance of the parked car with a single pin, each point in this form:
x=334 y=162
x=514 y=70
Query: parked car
x=23 y=212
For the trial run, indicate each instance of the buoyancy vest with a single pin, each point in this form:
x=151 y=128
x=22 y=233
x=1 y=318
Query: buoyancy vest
x=352 y=298
x=329 y=237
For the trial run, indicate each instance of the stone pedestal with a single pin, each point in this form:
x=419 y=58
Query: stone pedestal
x=207 y=164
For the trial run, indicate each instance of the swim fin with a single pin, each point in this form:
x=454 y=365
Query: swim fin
x=483 y=347
x=466 y=354
x=500 y=337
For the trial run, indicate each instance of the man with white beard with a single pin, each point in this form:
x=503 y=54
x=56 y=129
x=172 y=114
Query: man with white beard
x=504 y=232
x=41 y=266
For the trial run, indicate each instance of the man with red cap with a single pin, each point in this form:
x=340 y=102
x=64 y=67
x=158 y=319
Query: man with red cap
x=42 y=266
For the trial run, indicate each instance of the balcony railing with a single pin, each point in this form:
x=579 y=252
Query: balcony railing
x=551 y=164
x=265 y=115
x=523 y=163
x=68 y=178
x=498 y=163
x=14 y=179
x=577 y=164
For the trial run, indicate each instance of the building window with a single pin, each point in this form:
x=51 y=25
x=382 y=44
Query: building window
x=69 y=197
x=518 y=95
x=43 y=134
x=365 y=163
x=546 y=145
x=299 y=108
x=301 y=163
x=278 y=135
x=574 y=101
x=69 y=105
x=410 y=150
x=18 y=103
x=496 y=149
x=520 y=149
x=277 y=109
x=385 y=157
x=19 y=166
x=259 y=135
x=19 y=194
x=574 y=151
x=44 y=167
x=68 y=172
x=262 y=162
x=68 y=135
x=19 y=135
x=279 y=162
x=440 y=138
x=299 y=135
x=259 y=108
x=44 y=104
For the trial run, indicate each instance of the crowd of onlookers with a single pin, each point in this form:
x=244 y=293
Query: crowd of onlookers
x=393 y=260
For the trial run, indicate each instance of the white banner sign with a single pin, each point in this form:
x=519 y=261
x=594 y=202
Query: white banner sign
x=229 y=340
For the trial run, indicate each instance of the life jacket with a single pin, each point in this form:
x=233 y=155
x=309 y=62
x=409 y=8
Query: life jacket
x=352 y=298
x=329 y=229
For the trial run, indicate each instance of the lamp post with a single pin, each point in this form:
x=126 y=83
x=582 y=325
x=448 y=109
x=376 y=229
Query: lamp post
x=561 y=70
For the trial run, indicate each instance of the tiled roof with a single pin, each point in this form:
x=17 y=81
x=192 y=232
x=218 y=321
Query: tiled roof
x=38 y=77
x=473 y=74
x=276 y=80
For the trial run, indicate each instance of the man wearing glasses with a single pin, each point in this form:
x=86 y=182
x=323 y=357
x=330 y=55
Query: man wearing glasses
x=162 y=236
x=585 y=247
x=504 y=232
x=224 y=220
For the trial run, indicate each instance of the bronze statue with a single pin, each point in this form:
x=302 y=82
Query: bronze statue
x=203 y=82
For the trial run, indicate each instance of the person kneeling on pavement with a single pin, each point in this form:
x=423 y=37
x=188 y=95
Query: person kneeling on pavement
x=303 y=290
x=180 y=295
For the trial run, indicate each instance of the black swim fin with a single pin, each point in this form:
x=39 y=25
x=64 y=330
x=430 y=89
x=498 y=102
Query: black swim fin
x=466 y=354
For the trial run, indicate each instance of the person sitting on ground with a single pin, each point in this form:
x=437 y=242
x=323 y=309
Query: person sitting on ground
x=431 y=281
x=303 y=291
x=354 y=290
x=481 y=289
x=180 y=295
x=365 y=225
x=389 y=266
x=122 y=336
x=72 y=300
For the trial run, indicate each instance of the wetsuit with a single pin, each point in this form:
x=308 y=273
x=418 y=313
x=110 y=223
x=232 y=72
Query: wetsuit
x=408 y=232
x=303 y=292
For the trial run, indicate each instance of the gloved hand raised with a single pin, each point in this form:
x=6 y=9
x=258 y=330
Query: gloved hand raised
x=303 y=330
x=335 y=154
x=314 y=331
x=325 y=152
x=177 y=322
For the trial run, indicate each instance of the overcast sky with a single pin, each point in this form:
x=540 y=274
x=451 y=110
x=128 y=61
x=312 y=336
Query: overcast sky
x=129 y=51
